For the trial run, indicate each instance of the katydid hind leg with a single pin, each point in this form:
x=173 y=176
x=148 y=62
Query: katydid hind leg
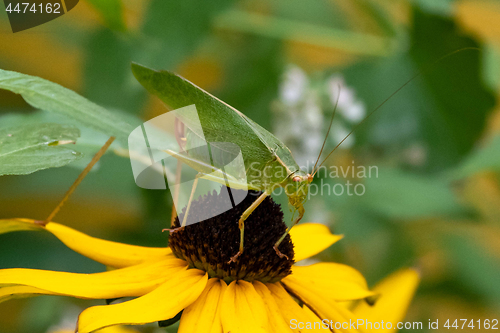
x=297 y=220
x=241 y=223
x=176 y=192
x=184 y=220
x=181 y=141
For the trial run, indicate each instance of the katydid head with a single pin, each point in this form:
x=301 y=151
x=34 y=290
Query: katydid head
x=308 y=177
x=297 y=187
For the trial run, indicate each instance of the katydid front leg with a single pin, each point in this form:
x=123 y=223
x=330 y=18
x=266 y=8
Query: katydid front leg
x=297 y=220
x=241 y=223
x=181 y=141
x=193 y=189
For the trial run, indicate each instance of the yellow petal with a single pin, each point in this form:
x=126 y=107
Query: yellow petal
x=11 y=225
x=9 y=292
x=310 y=313
x=243 y=310
x=106 y=252
x=324 y=307
x=203 y=316
x=116 y=329
x=112 y=329
x=295 y=317
x=276 y=321
x=163 y=303
x=130 y=281
x=396 y=292
x=334 y=281
x=310 y=239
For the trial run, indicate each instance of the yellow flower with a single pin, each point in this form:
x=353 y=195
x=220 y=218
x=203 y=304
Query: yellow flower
x=261 y=292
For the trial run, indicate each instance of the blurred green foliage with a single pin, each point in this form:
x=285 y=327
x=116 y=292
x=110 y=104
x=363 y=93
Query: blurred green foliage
x=439 y=212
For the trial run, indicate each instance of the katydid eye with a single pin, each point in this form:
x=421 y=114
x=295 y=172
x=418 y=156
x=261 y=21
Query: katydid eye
x=296 y=179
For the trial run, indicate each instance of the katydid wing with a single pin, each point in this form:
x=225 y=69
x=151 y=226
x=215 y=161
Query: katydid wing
x=223 y=123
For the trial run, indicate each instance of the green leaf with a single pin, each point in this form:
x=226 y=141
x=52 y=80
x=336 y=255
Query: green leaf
x=29 y=148
x=175 y=29
x=48 y=96
x=106 y=74
x=486 y=159
x=252 y=88
x=89 y=142
x=491 y=67
x=300 y=31
x=472 y=264
x=397 y=194
x=112 y=13
x=438 y=7
x=88 y=137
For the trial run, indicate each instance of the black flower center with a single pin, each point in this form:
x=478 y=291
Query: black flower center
x=210 y=244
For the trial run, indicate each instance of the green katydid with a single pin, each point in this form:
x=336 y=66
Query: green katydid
x=223 y=123
x=260 y=148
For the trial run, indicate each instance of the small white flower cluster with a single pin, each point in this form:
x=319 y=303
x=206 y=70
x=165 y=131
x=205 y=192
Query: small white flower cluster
x=351 y=109
x=304 y=107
